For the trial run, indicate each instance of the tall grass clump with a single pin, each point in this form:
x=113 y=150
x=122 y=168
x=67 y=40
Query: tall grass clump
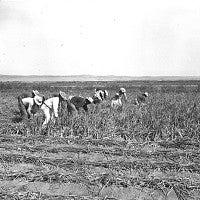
x=165 y=116
x=171 y=115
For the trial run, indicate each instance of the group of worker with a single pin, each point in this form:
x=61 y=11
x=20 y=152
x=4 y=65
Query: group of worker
x=29 y=106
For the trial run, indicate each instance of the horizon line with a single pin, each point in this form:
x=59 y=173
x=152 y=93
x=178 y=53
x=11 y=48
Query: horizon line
x=104 y=75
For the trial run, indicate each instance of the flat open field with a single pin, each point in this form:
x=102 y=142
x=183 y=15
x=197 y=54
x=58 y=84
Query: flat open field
x=147 y=153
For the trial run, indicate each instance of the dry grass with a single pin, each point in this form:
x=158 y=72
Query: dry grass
x=151 y=149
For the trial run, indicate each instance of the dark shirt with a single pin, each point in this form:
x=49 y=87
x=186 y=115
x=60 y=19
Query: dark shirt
x=78 y=101
x=141 y=99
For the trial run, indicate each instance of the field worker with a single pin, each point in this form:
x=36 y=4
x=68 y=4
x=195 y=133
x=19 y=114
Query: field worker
x=52 y=105
x=100 y=95
x=28 y=106
x=81 y=102
x=122 y=94
x=116 y=101
x=141 y=99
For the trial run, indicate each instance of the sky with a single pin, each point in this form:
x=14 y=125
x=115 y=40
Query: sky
x=100 y=37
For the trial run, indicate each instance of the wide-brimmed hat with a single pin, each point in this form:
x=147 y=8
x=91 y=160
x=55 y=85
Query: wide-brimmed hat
x=123 y=90
x=35 y=92
x=38 y=100
x=63 y=95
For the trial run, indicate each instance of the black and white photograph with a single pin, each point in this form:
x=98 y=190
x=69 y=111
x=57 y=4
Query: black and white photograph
x=100 y=100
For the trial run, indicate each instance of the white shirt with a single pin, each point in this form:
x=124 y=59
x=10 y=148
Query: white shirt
x=50 y=108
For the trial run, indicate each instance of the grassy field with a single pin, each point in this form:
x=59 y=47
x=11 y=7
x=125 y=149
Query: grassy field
x=145 y=153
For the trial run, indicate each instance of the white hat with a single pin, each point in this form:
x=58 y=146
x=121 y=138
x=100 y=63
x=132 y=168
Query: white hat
x=38 y=100
x=146 y=94
x=122 y=90
x=63 y=95
x=35 y=92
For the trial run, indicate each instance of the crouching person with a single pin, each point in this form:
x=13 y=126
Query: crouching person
x=52 y=106
x=122 y=94
x=81 y=102
x=116 y=102
x=29 y=106
x=119 y=99
x=141 y=99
